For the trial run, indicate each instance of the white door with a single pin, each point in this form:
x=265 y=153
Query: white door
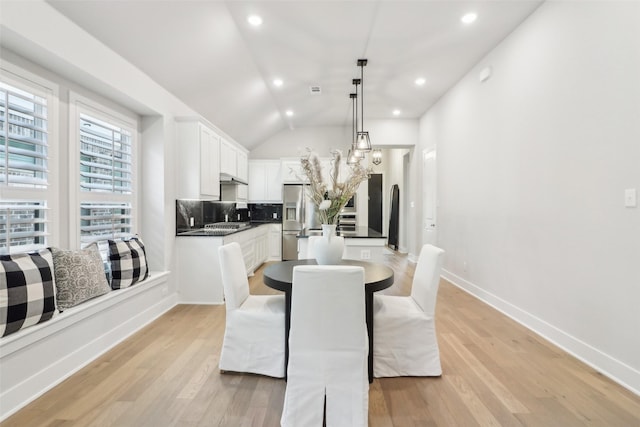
x=429 y=229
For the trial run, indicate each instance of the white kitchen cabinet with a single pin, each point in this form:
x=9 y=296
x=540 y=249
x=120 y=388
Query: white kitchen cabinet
x=265 y=182
x=198 y=161
x=228 y=158
x=292 y=171
x=275 y=242
x=242 y=165
x=261 y=245
x=209 y=163
x=243 y=173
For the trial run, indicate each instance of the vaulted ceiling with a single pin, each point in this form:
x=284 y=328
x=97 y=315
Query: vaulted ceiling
x=209 y=56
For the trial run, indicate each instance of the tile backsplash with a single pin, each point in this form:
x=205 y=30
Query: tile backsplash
x=201 y=212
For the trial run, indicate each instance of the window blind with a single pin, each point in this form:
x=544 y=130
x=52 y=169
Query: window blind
x=23 y=137
x=104 y=221
x=23 y=225
x=105 y=157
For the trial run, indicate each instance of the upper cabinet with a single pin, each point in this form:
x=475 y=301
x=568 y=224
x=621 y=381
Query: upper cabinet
x=228 y=158
x=242 y=168
x=242 y=165
x=198 y=161
x=292 y=171
x=265 y=181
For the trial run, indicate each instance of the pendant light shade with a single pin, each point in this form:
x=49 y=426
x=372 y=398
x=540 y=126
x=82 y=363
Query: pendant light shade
x=363 y=143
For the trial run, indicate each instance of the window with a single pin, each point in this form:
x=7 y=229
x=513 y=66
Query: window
x=26 y=190
x=105 y=143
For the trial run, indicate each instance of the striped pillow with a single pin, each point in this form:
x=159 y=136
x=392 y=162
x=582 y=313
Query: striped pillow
x=128 y=262
x=27 y=290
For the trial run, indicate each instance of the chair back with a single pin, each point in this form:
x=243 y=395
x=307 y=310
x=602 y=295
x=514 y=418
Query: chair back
x=311 y=243
x=426 y=278
x=234 y=275
x=328 y=346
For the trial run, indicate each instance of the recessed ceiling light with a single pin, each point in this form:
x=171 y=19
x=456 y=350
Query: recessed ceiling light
x=278 y=82
x=469 y=18
x=421 y=81
x=396 y=112
x=254 y=20
x=289 y=113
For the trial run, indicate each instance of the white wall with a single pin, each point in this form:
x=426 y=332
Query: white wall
x=532 y=168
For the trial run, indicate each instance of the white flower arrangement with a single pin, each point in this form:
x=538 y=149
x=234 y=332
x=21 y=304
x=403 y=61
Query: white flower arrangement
x=330 y=198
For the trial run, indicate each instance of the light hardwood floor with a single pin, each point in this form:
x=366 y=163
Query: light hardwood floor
x=495 y=373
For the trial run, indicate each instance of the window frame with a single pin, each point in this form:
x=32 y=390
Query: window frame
x=49 y=194
x=78 y=105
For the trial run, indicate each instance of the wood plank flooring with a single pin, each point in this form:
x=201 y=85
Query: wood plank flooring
x=495 y=373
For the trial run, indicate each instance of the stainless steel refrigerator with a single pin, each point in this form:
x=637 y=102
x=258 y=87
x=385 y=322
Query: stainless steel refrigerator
x=298 y=213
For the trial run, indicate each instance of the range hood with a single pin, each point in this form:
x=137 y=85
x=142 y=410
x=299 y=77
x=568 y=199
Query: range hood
x=227 y=179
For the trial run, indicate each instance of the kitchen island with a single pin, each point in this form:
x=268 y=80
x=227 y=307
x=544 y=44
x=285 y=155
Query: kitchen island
x=361 y=243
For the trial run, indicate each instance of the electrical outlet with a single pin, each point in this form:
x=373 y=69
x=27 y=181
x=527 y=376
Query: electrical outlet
x=630 y=195
x=365 y=254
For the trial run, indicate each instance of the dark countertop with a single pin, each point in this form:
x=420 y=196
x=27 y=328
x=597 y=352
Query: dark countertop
x=201 y=231
x=357 y=233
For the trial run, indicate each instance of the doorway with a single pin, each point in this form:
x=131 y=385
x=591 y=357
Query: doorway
x=375 y=202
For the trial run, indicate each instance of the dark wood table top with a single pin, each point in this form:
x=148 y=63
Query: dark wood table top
x=279 y=275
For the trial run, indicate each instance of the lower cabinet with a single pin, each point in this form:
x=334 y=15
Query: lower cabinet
x=200 y=280
x=275 y=242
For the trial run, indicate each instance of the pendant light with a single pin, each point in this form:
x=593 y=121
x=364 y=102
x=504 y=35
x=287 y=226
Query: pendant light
x=358 y=153
x=352 y=157
x=363 y=143
x=376 y=156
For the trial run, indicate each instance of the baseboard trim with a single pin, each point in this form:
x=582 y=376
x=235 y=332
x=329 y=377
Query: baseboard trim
x=618 y=371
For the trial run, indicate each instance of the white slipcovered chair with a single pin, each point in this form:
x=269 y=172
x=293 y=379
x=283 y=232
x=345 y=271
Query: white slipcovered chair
x=404 y=327
x=328 y=347
x=254 y=332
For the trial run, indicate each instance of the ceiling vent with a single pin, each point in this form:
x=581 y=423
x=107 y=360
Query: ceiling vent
x=315 y=90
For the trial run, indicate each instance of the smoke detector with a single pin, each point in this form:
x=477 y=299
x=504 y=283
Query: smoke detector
x=315 y=90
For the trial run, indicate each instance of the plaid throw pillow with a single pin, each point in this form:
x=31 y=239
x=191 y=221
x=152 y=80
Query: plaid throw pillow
x=27 y=290
x=128 y=262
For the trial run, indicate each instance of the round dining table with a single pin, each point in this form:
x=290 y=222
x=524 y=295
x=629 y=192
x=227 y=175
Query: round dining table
x=279 y=276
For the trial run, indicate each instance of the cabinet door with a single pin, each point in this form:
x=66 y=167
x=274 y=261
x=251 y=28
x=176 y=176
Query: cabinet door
x=273 y=182
x=242 y=165
x=292 y=171
x=228 y=158
x=209 y=163
x=257 y=182
x=275 y=242
x=242 y=193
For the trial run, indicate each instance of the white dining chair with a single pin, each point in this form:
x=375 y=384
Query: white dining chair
x=328 y=347
x=254 y=331
x=404 y=327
